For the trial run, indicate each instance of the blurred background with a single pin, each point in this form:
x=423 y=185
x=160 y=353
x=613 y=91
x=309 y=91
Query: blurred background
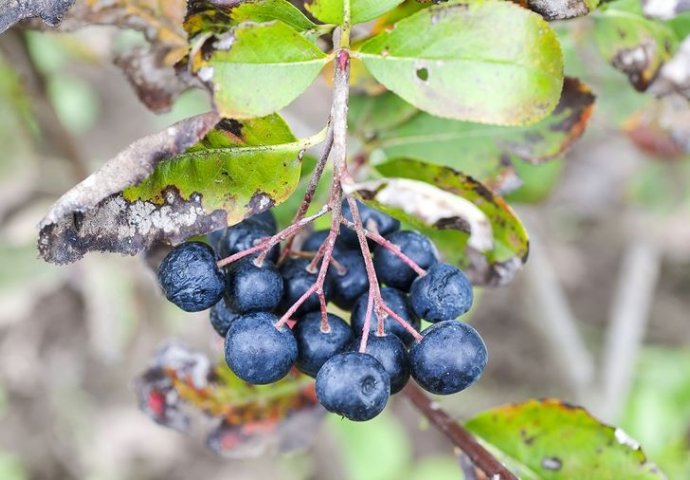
x=600 y=316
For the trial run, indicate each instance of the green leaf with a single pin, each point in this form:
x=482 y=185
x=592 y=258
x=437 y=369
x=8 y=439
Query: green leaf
x=484 y=152
x=552 y=440
x=331 y=11
x=239 y=168
x=368 y=116
x=257 y=69
x=632 y=43
x=218 y=17
x=234 y=167
x=448 y=61
x=471 y=225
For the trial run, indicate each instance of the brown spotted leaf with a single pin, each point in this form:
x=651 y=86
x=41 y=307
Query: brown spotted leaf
x=50 y=11
x=472 y=226
x=390 y=128
x=251 y=420
x=635 y=45
x=553 y=440
x=172 y=185
x=149 y=70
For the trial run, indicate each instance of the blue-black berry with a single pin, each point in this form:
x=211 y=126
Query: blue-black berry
x=244 y=235
x=450 y=357
x=382 y=223
x=350 y=284
x=394 y=272
x=315 y=239
x=315 y=346
x=397 y=301
x=257 y=351
x=392 y=355
x=443 y=293
x=354 y=385
x=221 y=317
x=190 y=278
x=250 y=288
x=297 y=280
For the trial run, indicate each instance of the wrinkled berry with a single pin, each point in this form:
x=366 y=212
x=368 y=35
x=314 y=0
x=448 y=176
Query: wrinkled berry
x=394 y=272
x=354 y=385
x=397 y=301
x=250 y=288
x=316 y=346
x=443 y=293
x=450 y=357
x=190 y=278
x=257 y=351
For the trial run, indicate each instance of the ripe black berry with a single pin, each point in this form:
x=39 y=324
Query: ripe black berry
x=392 y=355
x=397 y=301
x=315 y=239
x=371 y=219
x=298 y=280
x=257 y=351
x=443 y=293
x=316 y=346
x=221 y=317
x=190 y=278
x=394 y=272
x=245 y=235
x=250 y=288
x=350 y=284
x=449 y=358
x=354 y=385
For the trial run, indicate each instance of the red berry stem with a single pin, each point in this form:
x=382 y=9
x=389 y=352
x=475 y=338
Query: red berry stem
x=457 y=434
x=374 y=290
x=376 y=237
x=269 y=242
x=417 y=336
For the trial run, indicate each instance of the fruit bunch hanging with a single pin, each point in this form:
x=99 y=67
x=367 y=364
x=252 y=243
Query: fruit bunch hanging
x=272 y=307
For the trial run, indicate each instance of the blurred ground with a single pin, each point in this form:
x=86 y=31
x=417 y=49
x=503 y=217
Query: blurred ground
x=72 y=338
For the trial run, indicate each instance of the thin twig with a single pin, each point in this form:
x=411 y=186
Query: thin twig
x=269 y=242
x=388 y=245
x=629 y=314
x=457 y=434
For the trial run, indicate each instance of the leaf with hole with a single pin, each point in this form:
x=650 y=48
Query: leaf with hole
x=553 y=440
x=331 y=11
x=257 y=69
x=633 y=44
x=448 y=61
x=170 y=186
x=487 y=153
x=469 y=223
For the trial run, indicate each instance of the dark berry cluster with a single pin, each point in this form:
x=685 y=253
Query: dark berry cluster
x=269 y=326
